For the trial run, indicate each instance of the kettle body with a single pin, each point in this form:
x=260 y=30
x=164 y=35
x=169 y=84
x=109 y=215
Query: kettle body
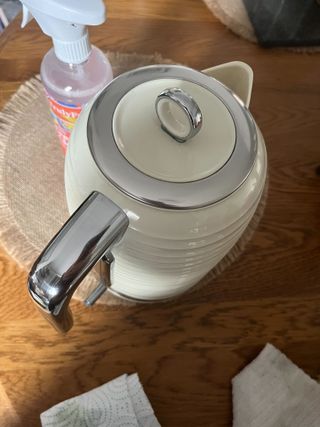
x=162 y=203
x=165 y=252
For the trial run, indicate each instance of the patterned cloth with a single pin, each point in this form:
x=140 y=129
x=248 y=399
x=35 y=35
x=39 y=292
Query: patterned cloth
x=121 y=402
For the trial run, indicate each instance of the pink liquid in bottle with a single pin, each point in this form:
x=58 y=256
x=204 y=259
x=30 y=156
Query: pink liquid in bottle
x=70 y=86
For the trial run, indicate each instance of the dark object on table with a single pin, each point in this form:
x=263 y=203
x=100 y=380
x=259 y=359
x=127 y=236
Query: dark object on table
x=9 y=9
x=285 y=23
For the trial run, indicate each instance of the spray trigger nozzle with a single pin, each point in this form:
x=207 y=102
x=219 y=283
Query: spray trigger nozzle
x=66 y=23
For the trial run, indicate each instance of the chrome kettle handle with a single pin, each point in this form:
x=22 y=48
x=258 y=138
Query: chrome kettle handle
x=85 y=238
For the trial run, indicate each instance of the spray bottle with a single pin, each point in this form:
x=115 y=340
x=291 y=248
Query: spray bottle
x=72 y=71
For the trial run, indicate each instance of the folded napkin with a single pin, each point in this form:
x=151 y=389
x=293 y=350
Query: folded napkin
x=270 y=392
x=121 y=402
x=273 y=392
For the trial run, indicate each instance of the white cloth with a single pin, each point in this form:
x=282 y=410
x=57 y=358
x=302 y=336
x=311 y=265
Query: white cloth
x=270 y=392
x=121 y=402
x=273 y=392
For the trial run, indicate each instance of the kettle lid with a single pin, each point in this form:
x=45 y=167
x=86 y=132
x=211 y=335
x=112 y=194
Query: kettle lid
x=172 y=137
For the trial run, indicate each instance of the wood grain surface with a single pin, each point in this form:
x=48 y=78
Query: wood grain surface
x=185 y=352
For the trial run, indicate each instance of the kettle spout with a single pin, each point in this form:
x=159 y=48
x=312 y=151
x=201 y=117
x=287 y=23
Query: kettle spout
x=237 y=76
x=89 y=234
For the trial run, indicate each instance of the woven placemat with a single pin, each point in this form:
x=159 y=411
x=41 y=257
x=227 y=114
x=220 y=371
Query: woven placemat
x=32 y=199
x=233 y=14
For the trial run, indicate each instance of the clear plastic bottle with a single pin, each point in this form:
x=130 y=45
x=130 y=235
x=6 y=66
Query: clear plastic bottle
x=70 y=86
x=73 y=71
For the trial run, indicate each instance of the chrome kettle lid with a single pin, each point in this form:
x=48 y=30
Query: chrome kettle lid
x=151 y=177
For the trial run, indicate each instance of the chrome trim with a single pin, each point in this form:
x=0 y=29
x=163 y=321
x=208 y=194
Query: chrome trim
x=91 y=232
x=187 y=104
x=163 y=194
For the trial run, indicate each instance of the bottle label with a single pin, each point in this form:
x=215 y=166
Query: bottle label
x=64 y=117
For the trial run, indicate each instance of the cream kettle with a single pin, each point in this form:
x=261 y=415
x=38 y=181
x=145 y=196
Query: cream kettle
x=164 y=171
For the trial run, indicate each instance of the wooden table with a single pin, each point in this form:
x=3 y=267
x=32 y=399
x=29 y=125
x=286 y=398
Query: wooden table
x=186 y=352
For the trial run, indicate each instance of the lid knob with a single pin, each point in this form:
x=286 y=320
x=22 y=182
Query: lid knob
x=179 y=114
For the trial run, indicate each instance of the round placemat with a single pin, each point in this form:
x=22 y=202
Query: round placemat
x=32 y=198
